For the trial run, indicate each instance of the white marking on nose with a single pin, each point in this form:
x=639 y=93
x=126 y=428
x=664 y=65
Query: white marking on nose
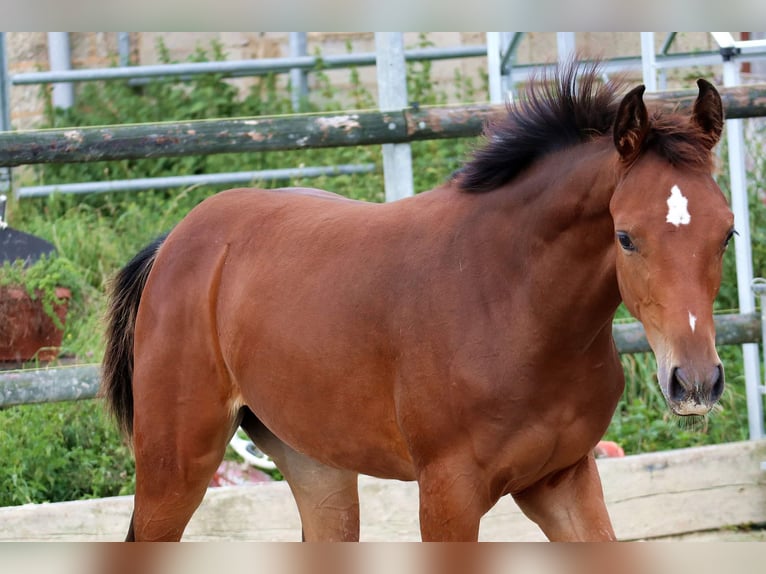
x=692 y=321
x=678 y=212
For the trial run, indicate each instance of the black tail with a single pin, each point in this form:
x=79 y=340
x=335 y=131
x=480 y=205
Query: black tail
x=117 y=367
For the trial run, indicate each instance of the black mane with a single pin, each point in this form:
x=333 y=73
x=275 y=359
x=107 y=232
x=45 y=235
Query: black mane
x=571 y=107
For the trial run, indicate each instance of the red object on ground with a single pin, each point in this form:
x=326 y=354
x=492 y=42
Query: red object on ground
x=26 y=330
x=608 y=449
x=231 y=473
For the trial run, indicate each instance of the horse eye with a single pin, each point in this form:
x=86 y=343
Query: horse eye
x=731 y=234
x=625 y=241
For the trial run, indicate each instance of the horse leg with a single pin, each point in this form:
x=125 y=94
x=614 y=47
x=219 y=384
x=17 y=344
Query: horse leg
x=181 y=433
x=453 y=498
x=327 y=497
x=569 y=505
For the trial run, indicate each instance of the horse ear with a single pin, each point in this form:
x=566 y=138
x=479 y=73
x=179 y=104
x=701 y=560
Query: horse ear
x=631 y=124
x=707 y=113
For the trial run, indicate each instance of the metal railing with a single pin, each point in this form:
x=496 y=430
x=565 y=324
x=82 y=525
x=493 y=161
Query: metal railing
x=181 y=71
x=81 y=382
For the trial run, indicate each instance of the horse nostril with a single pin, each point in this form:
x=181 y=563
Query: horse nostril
x=718 y=384
x=676 y=389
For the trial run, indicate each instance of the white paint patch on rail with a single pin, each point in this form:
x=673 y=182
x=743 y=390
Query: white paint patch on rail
x=346 y=122
x=74 y=135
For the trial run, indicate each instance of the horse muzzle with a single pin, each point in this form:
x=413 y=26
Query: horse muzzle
x=693 y=391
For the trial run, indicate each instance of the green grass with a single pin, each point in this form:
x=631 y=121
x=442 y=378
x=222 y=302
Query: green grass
x=61 y=452
x=66 y=451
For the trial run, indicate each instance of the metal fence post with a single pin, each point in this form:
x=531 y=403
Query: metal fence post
x=494 y=67
x=649 y=61
x=743 y=253
x=392 y=95
x=566 y=45
x=60 y=58
x=759 y=289
x=123 y=48
x=5 y=112
x=298 y=77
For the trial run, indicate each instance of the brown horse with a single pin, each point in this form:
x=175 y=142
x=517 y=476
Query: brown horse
x=461 y=338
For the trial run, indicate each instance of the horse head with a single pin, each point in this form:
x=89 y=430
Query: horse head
x=672 y=225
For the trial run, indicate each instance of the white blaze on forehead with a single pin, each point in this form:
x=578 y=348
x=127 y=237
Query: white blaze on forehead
x=692 y=321
x=678 y=212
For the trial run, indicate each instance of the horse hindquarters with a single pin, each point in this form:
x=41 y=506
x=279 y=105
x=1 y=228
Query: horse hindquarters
x=179 y=442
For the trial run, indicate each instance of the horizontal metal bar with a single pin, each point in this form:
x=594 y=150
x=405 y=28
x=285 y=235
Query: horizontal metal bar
x=739 y=49
x=417 y=54
x=58 y=384
x=199 y=137
x=612 y=65
x=668 y=61
x=299 y=131
x=82 y=381
x=522 y=72
x=734 y=329
x=239 y=67
x=750 y=47
x=188 y=180
x=253 y=67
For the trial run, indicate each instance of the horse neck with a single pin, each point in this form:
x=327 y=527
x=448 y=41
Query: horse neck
x=559 y=216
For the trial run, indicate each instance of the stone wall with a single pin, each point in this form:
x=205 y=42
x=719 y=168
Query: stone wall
x=28 y=52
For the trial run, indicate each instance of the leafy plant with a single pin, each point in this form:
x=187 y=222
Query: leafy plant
x=61 y=451
x=40 y=280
